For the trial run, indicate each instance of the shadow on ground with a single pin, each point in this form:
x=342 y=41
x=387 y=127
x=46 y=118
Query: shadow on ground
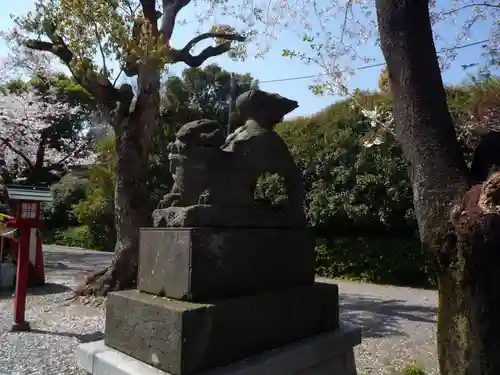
x=75 y=266
x=81 y=337
x=380 y=318
x=47 y=289
x=76 y=261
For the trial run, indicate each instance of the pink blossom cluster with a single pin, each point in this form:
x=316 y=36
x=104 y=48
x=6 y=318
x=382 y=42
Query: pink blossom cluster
x=26 y=122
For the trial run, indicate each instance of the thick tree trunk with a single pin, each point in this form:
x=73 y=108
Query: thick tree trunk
x=469 y=290
x=131 y=209
x=133 y=134
x=467 y=254
x=424 y=124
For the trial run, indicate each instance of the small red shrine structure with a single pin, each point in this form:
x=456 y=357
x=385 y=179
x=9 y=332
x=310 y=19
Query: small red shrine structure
x=25 y=202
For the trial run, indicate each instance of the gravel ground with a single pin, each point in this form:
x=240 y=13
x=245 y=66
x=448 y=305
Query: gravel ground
x=398 y=323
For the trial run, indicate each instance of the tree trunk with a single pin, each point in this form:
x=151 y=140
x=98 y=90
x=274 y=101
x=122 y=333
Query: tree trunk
x=131 y=208
x=133 y=135
x=469 y=287
x=467 y=255
x=424 y=125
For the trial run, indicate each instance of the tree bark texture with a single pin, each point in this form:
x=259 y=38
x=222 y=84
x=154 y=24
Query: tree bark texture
x=469 y=286
x=133 y=136
x=467 y=247
x=131 y=212
x=424 y=125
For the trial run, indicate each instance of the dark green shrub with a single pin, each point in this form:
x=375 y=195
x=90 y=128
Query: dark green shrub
x=96 y=211
x=67 y=192
x=413 y=370
x=349 y=188
x=73 y=237
x=392 y=260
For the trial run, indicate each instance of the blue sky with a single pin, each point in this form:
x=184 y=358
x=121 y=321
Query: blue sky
x=273 y=66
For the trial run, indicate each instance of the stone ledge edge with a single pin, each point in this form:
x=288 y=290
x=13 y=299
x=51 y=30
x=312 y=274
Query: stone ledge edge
x=97 y=358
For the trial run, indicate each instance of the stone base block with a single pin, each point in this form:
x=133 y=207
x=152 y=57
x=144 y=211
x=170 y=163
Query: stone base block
x=329 y=353
x=200 y=264
x=185 y=338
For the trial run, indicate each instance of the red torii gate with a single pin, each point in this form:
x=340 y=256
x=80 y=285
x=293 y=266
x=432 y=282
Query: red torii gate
x=25 y=202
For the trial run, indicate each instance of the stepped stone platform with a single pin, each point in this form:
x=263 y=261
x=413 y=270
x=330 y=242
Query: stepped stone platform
x=329 y=353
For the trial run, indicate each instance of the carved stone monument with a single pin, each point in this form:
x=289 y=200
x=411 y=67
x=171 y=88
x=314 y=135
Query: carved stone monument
x=226 y=282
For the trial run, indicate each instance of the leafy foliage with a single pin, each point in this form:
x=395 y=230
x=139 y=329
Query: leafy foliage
x=74 y=237
x=96 y=211
x=67 y=192
x=200 y=93
x=363 y=194
x=382 y=260
x=413 y=370
x=349 y=187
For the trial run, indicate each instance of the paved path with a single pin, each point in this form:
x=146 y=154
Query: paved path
x=398 y=323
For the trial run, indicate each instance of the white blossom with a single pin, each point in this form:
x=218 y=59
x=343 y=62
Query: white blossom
x=381 y=121
x=374 y=142
x=27 y=124
x=338 y=35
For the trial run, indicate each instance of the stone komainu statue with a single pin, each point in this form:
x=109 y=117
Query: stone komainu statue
x=215 y=179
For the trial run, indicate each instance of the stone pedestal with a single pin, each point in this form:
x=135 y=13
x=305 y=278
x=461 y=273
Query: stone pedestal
x=184 y=338
x=200 y=264
x=208 y=298
x=329 y=353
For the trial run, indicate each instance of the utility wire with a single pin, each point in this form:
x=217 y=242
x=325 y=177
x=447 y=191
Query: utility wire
x=367 y=66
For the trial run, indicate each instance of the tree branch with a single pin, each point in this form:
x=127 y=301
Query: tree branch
x=170 y=10
x=126 y=96
x=184 y=54
x=486 y=5
x=96 y=84
x=150 y=13
x=71 y=154
x=40 y=152
x=6 y=142
x=101 y=49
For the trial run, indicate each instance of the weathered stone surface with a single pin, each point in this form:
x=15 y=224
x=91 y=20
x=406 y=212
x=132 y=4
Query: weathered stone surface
x=196 y=264
x=329 y=353
x=208 y=171
x=203 y=215
x=184 y=338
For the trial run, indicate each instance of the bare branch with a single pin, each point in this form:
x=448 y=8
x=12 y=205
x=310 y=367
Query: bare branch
x=184 y=54
x=470 y=6
x=101 y=49
x=170 y=10
x=96 y=84
x=117 y=77
x=60 y=51
x=344 y=24
x=7 y=143
x=82 y=147
x=225 y=36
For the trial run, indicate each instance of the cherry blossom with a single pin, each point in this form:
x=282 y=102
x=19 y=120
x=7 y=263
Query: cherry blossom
x=29 y=136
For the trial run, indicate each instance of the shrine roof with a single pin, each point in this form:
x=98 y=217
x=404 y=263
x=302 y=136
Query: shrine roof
x=28 y=193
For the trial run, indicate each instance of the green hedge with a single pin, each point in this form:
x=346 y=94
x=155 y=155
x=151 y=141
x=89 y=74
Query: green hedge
x=394 y=261
x=74 y=236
